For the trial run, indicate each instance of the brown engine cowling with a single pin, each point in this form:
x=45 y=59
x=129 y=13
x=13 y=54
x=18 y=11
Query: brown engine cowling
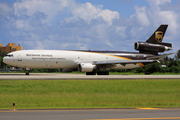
x=152 y=47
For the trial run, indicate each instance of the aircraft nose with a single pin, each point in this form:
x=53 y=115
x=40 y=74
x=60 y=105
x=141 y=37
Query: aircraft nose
x=6 y=60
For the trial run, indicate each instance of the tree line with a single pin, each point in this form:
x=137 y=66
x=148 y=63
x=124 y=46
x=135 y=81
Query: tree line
x=2 y=64
x=171 y=65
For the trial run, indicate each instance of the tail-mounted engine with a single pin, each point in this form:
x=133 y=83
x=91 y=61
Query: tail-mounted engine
x=153 y=48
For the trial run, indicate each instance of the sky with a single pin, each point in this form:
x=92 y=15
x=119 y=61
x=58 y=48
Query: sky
x=87 y=24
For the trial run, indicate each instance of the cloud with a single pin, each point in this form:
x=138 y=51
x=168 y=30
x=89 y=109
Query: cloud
x=142 y=16
x=158 y=2
x=51 y=8
x=108 y=15
x=121 y=31
x=87 y=28
x=66 y=24
x=88 y=12
x=161 y=16
x=150 y=17
x=5 y=9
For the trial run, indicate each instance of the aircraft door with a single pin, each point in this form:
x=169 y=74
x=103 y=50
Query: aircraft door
x=19 y=58
x=19 y=61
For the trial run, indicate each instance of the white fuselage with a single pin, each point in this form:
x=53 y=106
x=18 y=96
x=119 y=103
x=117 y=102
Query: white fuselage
x=60 y=59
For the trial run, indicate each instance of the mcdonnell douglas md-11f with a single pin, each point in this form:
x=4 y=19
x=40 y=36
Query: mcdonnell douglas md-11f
x=92 y=62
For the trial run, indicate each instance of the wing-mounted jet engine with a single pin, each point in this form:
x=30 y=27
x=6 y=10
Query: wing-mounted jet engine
x=154 y=44
x=86 y=67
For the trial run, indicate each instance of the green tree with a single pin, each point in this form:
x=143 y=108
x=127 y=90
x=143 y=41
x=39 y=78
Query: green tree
x=2 y=64
x=177 y=56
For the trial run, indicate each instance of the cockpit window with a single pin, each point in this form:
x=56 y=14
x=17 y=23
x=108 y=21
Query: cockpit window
x=9 y=55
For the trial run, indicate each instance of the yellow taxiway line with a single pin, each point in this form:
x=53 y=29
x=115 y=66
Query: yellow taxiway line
x=162 y=118
x=149 y=108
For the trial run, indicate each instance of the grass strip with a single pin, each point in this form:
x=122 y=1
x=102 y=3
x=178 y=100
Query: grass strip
x=50 y=94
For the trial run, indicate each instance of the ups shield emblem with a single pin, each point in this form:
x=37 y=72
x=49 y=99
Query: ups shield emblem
x=159 y=36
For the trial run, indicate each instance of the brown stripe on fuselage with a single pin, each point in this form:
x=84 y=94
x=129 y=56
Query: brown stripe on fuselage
x=123 y=55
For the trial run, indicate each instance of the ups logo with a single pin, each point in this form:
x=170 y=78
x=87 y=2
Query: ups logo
x=159 y=36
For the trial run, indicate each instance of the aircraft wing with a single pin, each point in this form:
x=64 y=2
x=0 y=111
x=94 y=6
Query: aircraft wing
x=122 y=62
x=148 y=60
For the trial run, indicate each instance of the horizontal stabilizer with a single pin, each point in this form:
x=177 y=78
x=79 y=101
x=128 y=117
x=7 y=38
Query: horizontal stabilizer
x=161 y=57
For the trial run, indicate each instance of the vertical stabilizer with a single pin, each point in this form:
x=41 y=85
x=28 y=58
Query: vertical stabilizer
x=158 y=35
x=154 y=44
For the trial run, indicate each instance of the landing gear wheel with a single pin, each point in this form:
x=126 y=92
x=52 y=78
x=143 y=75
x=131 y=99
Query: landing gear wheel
x=99 y=73
x=90 y=73
x=27 y=73
x=102 y=73
x=106 y=73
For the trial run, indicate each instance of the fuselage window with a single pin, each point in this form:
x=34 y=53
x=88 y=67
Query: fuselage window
x=10 y=55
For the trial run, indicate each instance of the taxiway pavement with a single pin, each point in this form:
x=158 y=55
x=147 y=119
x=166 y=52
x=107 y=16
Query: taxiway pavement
x=92 y=114
x=70 y=76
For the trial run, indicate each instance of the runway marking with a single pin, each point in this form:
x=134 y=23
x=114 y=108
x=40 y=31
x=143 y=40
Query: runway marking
x=163 y=118
x=150 y=108
x=19 y=110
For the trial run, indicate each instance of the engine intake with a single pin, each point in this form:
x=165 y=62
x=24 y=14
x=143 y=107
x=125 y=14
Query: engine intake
x=150 y=47
x=86 y=67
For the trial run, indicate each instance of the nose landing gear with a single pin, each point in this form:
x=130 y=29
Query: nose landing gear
x=27 y=71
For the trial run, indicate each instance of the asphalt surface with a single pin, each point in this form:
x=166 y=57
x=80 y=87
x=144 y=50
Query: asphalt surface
x=92 y=114
x=67 y=76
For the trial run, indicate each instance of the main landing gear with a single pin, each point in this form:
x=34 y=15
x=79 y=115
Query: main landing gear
x=90 y=73
x=27 y=71
x=103 y=73
x=98 y=73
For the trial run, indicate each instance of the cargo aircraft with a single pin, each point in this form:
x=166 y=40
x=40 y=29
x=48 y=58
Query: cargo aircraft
x=90 y=61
